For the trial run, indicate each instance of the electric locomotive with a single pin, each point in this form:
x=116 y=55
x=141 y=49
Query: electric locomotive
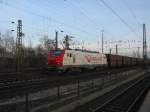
x=68 y=59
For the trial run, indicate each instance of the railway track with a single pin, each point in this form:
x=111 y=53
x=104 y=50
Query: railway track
x=18 y=78
x=21 y=83
x=31 y=75
x=66 y=92
x=127 y=100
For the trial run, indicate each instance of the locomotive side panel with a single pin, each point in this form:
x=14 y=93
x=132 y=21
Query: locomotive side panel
x=83 y=59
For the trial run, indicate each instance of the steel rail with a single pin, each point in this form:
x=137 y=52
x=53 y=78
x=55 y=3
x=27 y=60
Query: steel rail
x=125 y=100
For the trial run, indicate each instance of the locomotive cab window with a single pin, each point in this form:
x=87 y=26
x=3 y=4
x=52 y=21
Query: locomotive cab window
x=70 y=55
x=55 y=53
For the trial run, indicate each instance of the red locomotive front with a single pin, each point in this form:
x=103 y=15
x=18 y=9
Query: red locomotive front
x=55 y=59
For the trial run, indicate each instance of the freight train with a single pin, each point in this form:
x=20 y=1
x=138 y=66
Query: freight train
x=69 y=59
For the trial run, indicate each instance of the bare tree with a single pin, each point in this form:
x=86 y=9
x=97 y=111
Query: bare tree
x=7 y=43
x=39 y=49
x=47 y=43
x=135 y=54
x=0 y=39
x=1 y=45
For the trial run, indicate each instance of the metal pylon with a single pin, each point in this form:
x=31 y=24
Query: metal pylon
x=19 y=50
x=144 y=43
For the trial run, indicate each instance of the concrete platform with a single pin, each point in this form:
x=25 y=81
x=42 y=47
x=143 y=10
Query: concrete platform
x=145 y=107
x=82 y=101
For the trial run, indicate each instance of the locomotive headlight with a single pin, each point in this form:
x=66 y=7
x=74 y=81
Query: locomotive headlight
x=58 y=62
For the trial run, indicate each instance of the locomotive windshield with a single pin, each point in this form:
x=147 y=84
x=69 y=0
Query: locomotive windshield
x=55 y=53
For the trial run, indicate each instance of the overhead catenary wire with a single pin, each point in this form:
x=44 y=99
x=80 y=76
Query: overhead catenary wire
x=53 y=5
x=133 y=14
x=131 y=11
x=46 y=18
x=77 y=8
x=117 y=15
x=79 y=11
x=130 y=28
x=49 y=19
x=38 y=31
x=82 y=12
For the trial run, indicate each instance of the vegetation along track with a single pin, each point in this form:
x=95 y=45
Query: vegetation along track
x=127 y=100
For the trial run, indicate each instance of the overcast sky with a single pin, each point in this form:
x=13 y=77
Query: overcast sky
x=83 y=19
